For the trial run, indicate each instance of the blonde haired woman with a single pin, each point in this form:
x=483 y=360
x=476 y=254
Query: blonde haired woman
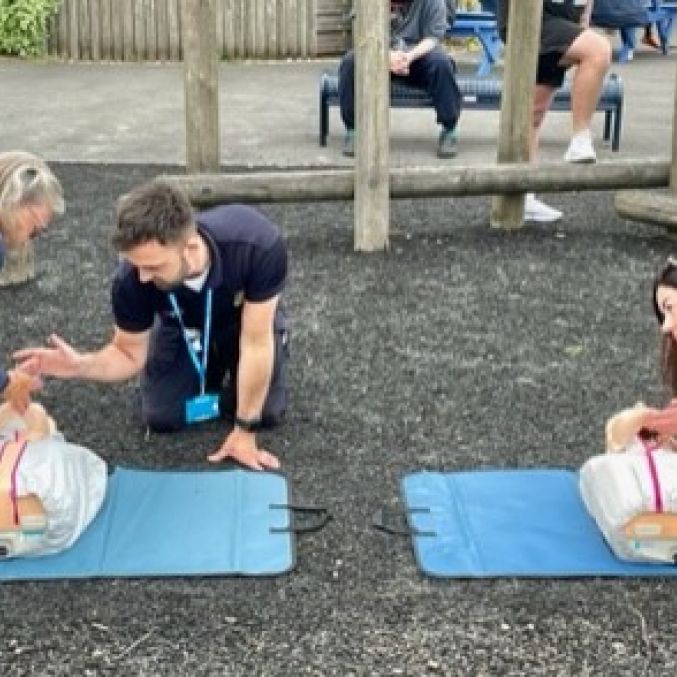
x=30 y=195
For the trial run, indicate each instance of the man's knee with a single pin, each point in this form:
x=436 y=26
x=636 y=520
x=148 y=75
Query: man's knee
x=439 y=61
x=275 y=408
x=167 y=420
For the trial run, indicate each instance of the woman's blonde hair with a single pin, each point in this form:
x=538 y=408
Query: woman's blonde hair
x=25 y=179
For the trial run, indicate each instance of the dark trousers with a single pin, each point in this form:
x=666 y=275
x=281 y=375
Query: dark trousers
x=434 y=72
x=169 y=377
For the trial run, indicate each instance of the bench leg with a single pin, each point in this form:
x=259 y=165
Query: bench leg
x=607 y=124
x=616 y=136
x=324 y=119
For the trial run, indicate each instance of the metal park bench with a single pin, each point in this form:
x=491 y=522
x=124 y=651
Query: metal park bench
x=659 y=13
x=482 y=94
x=480 y=25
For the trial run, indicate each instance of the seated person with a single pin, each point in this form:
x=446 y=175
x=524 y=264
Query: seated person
x=50 y=490
x=417 y=58
x=566 y=40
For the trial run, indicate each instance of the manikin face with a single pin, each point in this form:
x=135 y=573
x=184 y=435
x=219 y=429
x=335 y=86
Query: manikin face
x=165 y=265
x=28 y=222
x=666 y=299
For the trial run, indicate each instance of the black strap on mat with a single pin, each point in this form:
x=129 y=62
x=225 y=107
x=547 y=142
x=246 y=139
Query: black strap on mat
x=382 y=520
x=321 y=514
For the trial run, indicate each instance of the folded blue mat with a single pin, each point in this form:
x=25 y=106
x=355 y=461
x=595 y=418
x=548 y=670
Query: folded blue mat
x=492 y=523
x=165 y=523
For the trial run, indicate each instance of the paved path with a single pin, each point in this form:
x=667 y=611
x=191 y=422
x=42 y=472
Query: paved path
x=269 y=114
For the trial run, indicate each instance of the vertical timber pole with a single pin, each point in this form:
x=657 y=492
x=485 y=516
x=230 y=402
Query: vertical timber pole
x=673 y=166
x=200 y=59
x=372 y=138
x=519 y=76
x=19 y=265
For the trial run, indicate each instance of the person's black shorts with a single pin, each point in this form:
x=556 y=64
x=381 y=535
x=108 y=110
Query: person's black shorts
x=557 y=35
x=549 y=71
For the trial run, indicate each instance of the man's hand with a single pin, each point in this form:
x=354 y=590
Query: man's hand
x=60 y=360
x=241 y=446
x=399 y=62
x=18 y=391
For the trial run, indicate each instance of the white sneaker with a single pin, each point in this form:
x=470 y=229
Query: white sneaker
x=581 y=148
x=535 y=210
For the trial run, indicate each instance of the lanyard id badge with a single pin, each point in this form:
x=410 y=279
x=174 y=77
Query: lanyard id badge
x=205 y=406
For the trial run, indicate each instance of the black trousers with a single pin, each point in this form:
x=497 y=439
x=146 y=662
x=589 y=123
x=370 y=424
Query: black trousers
x=170 y=378
x=434 y=72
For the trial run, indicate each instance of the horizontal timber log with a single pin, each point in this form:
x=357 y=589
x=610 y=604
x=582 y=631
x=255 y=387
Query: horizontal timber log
x=408 y=182
x=648 y=206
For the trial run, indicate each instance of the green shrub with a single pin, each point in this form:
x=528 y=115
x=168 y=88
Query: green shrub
x=23 y=26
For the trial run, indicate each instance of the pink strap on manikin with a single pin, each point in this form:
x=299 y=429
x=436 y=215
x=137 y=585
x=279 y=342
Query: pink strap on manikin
x=649 y=448
x=15 y=502
x=12 y=476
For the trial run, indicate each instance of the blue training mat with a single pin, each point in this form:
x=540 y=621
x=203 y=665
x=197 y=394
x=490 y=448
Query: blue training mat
x=492 y=523
x=166 y=523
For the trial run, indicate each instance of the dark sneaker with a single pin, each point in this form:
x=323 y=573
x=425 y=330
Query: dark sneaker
x=349 y=143
x=447 y=144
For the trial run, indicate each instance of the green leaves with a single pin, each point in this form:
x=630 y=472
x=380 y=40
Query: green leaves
x=23 y=26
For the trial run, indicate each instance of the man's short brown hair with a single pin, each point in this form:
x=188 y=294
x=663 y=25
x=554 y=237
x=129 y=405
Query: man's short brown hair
x=153 y=211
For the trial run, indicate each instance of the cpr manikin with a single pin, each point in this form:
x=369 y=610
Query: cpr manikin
x=631 y=491
x=50 y=490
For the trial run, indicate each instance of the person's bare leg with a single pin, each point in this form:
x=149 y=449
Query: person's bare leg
x=543 y=96
x=534 y=209
x=591 y=54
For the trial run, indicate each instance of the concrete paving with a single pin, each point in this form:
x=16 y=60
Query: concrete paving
x=269 y=114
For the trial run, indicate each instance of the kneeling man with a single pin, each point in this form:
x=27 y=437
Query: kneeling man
x=195 y=300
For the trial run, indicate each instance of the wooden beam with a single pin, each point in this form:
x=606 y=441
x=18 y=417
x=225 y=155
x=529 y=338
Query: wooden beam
x=648 y=206
x=200 y=57
x=412 y=182
x=372 y=102
x=519 y=75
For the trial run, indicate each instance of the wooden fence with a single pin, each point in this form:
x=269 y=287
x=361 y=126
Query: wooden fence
x=150 y=30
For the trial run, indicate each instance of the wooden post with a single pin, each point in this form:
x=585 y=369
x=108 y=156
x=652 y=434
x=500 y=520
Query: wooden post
x=673 y=170
x=19 y=265
x=519 y=76
x=653 y=206
x=372 y=102
x=198 y=32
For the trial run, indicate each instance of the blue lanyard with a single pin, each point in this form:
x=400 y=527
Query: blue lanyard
x=201 y=368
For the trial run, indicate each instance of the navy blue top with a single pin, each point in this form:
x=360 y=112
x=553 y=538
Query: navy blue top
x=248 y=262
x=3 y=375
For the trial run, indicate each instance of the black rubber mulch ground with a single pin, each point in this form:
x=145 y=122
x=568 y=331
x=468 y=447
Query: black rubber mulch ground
x=460 y=348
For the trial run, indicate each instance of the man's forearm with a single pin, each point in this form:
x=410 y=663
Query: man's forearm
x=108 y=364
x=253 y=377
x=587 y=13
x=422 y=48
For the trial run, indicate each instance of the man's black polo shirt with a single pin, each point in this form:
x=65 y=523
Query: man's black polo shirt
x=248 y=262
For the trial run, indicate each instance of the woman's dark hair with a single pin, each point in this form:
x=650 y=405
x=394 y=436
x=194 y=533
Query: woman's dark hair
x=667 y=278
x=152 y=211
